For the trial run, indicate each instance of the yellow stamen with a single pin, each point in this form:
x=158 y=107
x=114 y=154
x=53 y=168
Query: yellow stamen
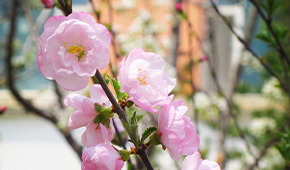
x=77 y=50
x=64 y=44
x=74 y=49
x=142 y=80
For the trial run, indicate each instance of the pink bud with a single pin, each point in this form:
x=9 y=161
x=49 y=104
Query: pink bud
x=178 y=7
x=48 y=3
x=3 y=108
x=204 y=58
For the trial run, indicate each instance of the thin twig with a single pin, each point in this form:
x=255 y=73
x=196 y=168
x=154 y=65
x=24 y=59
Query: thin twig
x=58 y=94
x=263 y=152
x=11 y=83
x=122 y=115
x=262 y=62
x=215 y=79
x=268 y=22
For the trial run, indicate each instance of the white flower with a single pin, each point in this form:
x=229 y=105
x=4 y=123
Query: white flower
x=260 y=125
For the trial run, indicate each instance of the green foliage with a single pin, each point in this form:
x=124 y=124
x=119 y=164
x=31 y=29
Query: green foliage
x=108 y=26
x=134 y=128
x=125 y=155
x=120 y=95
x=154 y=139
x=147 y=133
x=284 y=145
x=270 y=6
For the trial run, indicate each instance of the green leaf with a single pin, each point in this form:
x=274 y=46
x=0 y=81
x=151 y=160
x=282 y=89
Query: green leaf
x=264 y=6
x=134 y=128
x=125 y=155
x=116 y=85
x=129 y=104
x=99 y=118
x=154 y=139
x=106 y=122
x=264 y=36
x=281 y=150
x=147 y=133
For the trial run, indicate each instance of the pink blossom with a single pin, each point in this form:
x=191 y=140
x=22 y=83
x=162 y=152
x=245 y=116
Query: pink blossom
x=178 y=6
x=85 y=110
x=143 y=78
x=194 y=162
x=176 y=131
x=95 y=134
x=101 y=157
x=48 y=3
x=72 y=48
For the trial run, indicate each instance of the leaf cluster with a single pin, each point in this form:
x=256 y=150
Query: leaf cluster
x=284 y=145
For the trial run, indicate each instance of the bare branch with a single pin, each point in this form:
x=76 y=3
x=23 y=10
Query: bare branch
x=268 y=22
x=11 y=83
x=121 y=113
x=262 y=62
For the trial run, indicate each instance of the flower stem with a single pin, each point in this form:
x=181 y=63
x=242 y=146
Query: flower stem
x=121 y=113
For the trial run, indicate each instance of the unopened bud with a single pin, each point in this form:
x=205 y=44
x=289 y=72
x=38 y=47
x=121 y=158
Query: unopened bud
x=204 y=58
x=48 y=3
x=178 y=7
x=3 y=109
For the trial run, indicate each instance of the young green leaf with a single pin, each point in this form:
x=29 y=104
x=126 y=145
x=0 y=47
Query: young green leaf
x=134 y=128
x=116 y=85
x=147 y=133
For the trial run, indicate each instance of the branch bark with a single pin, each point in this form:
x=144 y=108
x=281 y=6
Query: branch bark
x=11 y=83
x=262 y=62
x=121 y=113
x=268 y=22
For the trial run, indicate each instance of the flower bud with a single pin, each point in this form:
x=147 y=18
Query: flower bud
x=178 y=7
x=3 y=109
x=48 y=3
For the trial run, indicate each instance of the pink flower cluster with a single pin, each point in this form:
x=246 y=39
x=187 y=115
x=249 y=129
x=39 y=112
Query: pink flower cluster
x=96 y=138
x=72 y=49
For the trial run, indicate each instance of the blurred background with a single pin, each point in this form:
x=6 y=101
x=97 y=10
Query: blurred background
x=236 y=105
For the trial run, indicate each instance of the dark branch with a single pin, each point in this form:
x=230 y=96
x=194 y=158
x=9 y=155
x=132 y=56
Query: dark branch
x=262 y=62
x=268 y=22
x=121 y=113
x=11 y=83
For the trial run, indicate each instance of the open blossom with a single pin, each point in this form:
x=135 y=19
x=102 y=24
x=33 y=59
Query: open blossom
x=194 y=162
x=101 y=157
x=96 y=134
x=72 y=48
x=143 y=78
x=48 y=3
x=176 y=131
x=85 y=110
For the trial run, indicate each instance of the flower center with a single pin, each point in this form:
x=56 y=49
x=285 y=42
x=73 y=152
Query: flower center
x=141 y=80
x=77 y=50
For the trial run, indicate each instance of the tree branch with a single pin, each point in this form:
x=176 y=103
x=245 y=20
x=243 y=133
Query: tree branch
x=121 y=113
x=215 y=79
x=262 y=62
x=268 y=22
x=11 y=83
